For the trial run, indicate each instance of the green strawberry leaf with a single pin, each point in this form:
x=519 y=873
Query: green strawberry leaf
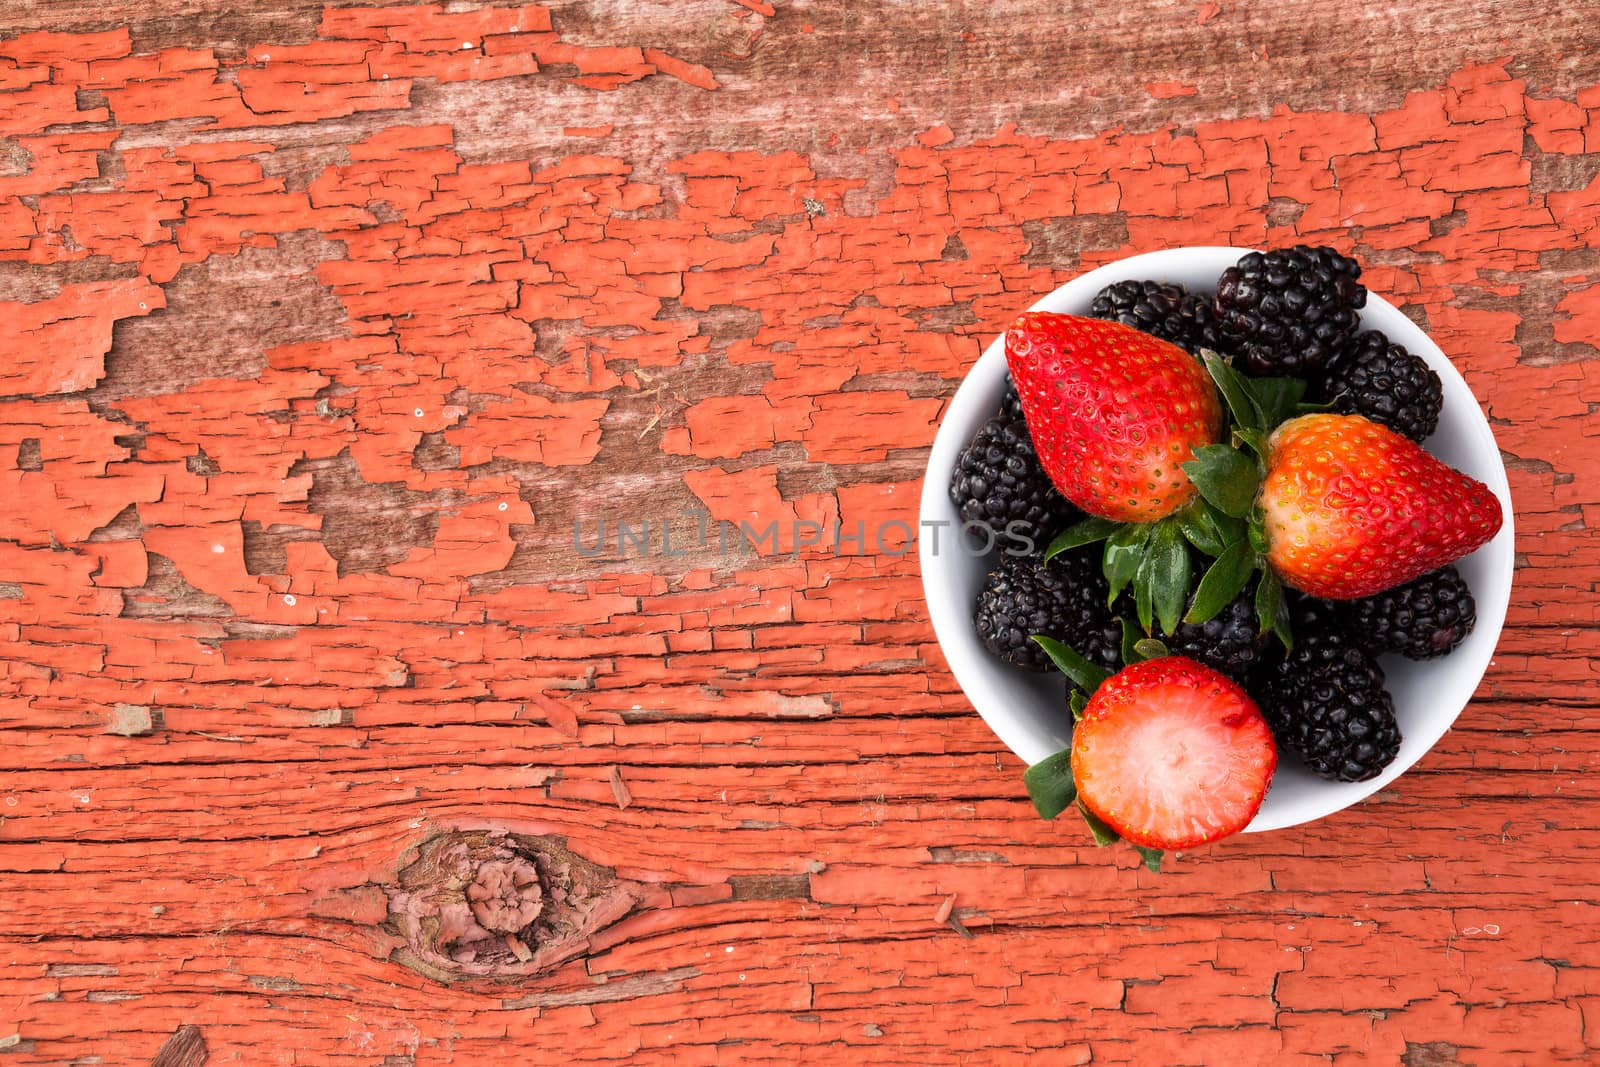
x=1077 y=702
x=1082 y=533
x=1083 y=673
x=1229 y=528
x=1103 y=834
x=1254 y=440
x=1124 y=550
x=1235 y=392
x=1150 y=648
x=1284 y=630
x=1223 y=580
x=1257 y=531
x=1198 y=528
x=1152 y=857
x=1276 y=613
x=1226 y=477
x=1168 y=559
x=1050 y=784
x=1130 y=640
x=1272 y=612
x=1276 y=398
x=1144 y=593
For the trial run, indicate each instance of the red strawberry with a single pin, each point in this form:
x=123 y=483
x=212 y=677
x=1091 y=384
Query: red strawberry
x=1171 y=754
x=1113 y=412
x=1353 y=508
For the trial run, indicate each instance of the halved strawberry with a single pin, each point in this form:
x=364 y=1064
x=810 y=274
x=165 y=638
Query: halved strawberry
x=1171 y=754
x=1113 y=412
x=1352 y=508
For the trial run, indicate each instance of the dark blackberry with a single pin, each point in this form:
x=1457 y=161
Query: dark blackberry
x=1229 y=641
x=998 y=482
x=1011 y=402
x=1422 y=619
x=1311 y=621
x=1374 y=377
x=1064 y=599
x=1163 y=309
x=1325 y=700
x=1290 y=311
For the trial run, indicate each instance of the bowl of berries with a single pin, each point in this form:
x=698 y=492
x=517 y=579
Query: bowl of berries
x=1234 y=548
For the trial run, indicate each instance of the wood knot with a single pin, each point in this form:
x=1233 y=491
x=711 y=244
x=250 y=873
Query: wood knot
x=506 y=896
x=489 y=904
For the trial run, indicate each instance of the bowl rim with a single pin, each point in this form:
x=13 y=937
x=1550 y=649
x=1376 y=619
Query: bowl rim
x=952 y=622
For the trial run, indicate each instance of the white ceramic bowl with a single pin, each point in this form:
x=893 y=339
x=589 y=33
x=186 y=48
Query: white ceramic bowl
x=1027 y=711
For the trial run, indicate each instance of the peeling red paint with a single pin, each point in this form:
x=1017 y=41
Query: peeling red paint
x=1169 y=90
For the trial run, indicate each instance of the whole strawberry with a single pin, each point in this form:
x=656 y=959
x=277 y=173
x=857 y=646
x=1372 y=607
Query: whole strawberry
x=1113 y=412
x=1352 y=508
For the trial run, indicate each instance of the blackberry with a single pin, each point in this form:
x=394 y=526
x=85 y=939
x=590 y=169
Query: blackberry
x=1229 y=641
x=1422 y=619
x=1290 y=311
x=1374 y=377
x=1064 y=599
x=1011 y=402
x=1167 y=311
x=999 y=483
x=1325 y=700
x=1311 y=621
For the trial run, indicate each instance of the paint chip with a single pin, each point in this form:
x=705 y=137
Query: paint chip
x=619 y=788
x=132 y=720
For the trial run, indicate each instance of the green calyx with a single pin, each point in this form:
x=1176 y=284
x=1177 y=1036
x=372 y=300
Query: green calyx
x=1148 y=557
x=1256 y=405
x=1049 y=782
x=1085 y=675
x=1227 y=479
x=1223 y=524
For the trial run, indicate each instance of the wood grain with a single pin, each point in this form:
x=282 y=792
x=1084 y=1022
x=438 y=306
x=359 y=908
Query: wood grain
x=324 y=328
x=185 y=1048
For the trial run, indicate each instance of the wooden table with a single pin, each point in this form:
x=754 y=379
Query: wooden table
x=322 y=329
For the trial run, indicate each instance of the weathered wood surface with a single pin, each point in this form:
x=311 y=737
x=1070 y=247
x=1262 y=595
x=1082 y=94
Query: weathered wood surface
x=321 y=328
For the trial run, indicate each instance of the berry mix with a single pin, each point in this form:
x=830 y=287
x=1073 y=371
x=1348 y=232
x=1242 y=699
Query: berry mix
x=1240 y=518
